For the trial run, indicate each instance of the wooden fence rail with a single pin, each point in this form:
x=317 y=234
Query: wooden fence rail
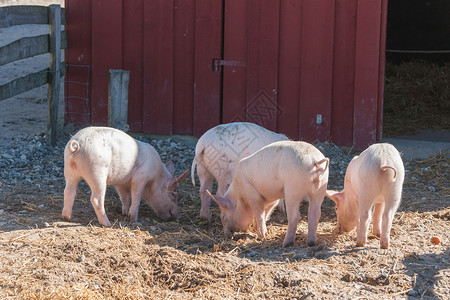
x=27 y=47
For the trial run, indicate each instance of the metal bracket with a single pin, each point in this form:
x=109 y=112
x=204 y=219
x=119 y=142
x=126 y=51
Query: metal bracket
x=218 y=63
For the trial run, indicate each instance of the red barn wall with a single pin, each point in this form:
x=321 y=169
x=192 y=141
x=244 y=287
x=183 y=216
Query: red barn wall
x=312 y=69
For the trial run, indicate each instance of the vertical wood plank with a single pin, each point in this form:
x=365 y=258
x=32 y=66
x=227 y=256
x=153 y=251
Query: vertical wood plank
x=54 y=16
x=343 y=72
x=183 y=77
x=235 y=48
x=366 y=73
x=316 y=73
x=106 y=53
x=289 y=68
x=78 y=56
x=118 y=83
x=262 y=77
x=382 y=59
x=158 y=66
x=133 y=59
x=208 y=45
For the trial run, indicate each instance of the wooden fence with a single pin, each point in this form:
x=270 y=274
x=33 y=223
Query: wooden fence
x=26 y=47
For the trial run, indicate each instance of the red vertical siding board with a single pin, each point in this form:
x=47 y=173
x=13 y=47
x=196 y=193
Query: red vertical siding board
x=158 y=66
x=106 y=53
x=366 y=73
x=183 y=77
x=77 y=91
x=208 y=45
x=316 y=73
x=262 y=76
x=384 y=6
x=133 y=54
x=343 y=72
x=289 y=67
x=235 y=48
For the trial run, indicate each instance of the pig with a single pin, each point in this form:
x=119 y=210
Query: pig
x=219 y=150
x=287 y=169
x=373 y=179
x=106 y=156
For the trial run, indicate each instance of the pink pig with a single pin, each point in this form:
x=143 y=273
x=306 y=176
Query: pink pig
x=286 y=169
x=218 y=152
x=373 y=179
x=107 y=156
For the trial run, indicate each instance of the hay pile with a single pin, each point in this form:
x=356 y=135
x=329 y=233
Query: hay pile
x=416 y=97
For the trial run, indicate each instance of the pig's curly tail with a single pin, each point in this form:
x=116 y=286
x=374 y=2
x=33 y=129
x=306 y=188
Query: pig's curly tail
x=73 y=147
x=326 y=159
x=319 y=172
x=384 y=168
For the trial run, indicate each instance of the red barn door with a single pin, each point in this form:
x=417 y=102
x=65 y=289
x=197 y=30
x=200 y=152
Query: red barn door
x=312 y=69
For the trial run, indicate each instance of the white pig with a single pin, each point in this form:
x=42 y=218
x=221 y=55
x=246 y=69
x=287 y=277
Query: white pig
x=286 y=169
x=219 y=150
x=373 y=179
x=107 y=156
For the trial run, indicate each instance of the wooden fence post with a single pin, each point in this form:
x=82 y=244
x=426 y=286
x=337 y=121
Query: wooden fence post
x=118 y=82
x=54 y=15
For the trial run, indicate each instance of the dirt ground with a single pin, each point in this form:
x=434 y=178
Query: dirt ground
x=44 y=257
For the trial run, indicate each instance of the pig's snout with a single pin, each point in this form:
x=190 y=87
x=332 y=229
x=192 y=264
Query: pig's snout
x=230 y=230
x=171 y=214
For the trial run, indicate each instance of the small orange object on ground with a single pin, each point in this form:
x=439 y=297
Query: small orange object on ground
x=435 y=240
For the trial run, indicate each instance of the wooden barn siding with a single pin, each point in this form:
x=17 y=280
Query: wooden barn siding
x=77 y=87
x=302 y=57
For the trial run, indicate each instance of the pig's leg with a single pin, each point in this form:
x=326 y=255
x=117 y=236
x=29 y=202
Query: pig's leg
x=365 y=206
x=136 y=195
x=386 y=225
x=98 y=190
x=292 y=203
x=376 y=217
x=97 y=183
x=281 y=206
x=223 y=182
x=260 y=216
x=206 y=183
x=125 y=198
x=314 y=212
x=269 y=210
x=70 y=192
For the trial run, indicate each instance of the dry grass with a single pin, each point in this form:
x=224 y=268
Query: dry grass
x=190 y=259
x=416 y=97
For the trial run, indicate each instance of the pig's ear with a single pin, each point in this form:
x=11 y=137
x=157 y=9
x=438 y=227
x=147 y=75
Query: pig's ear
x=337 y=197
x=176 y=180
x=221 y=201
x=170 y=167
x=182 y=176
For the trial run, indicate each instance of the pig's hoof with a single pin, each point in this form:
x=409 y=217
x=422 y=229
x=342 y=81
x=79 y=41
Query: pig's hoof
x=288 y=244
x=204 y=216
x=360 y=244
x=67 y=218
x=384 y=245
x=311 y=243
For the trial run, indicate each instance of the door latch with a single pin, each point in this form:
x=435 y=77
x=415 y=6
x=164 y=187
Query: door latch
x=218 y=63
